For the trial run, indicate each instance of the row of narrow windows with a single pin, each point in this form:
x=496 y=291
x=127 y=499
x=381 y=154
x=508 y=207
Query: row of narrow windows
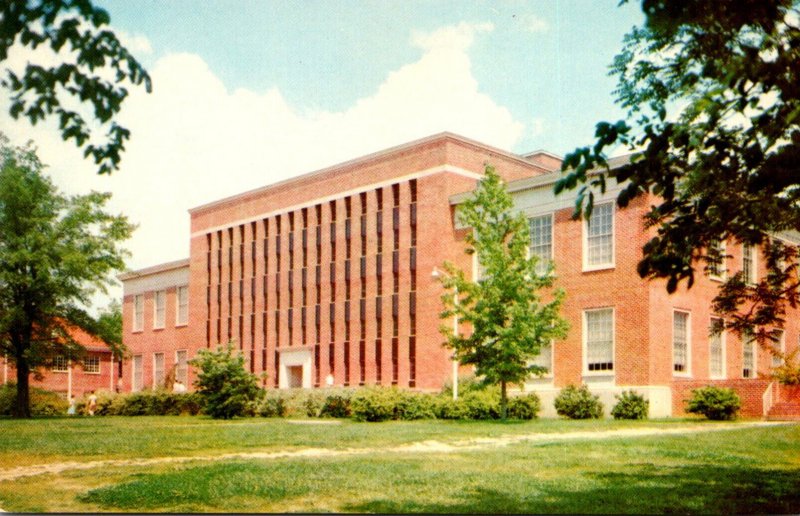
x=283 y=297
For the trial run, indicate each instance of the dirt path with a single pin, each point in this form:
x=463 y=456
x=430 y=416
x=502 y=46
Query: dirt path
x=430 y=446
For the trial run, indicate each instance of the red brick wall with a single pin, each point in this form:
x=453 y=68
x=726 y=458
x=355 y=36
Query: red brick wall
x=750 y=391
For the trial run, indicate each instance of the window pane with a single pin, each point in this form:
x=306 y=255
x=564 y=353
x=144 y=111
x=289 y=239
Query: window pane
x=541 y=241
x=138 y=313
x=715 y=349
x=600 y=239
x=158 y=369
x=91 y=364
x=138 y=373
x=680 y=342
x=778 y=347
x=748 y=358
x=545 y=358
x=183 y=305
x=181 y=367
x=60 y=364
x=748 y=264
x=600 y=340
x=160 y=308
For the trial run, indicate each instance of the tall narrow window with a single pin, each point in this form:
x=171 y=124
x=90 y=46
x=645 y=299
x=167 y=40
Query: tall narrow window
x=680 y=342
x=158 y=370
x=716 y=351
x=599 y=245
x=137 y=377
x=749 y=264
x=716 y=260
x=138 y=312
x=748 y=356
x=599 y=339
x=778 y=348
x=541 y=245
x=181 y=366
x=545 y=359
x=160 y=310
x=182 y=314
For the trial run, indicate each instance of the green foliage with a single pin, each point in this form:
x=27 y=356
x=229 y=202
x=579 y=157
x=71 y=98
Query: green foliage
x=630 y=405
x=151 y=403
x=508 y=321
x=273 y=405
x=337 y=404
x=96 y=72
x=714 y=403
x=524 y=406
x=57 y=252
x=228 y=389
x=306 y=403
x=713 y=112
x=578 y=403
x=43 y=402
x=788 y=373
x=375 y=404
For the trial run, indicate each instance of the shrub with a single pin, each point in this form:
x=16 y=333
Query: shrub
x=526 y=406
x=374 y=404
x=630 y=405
x=227 y=388
x=578 y=403
x=481 y=403
x=336 y=404
x=788 y=372
x=714 y=403
x=43 y=402
x=272 y=405
x=415 y=405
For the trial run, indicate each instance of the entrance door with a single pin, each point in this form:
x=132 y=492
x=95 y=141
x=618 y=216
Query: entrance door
x=295 y=376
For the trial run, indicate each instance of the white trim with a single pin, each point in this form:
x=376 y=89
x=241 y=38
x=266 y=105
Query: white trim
x=159 y=325
x=688 y=365
x=754 y=263
x=723 y=263
x=99 y=364
x=155 y=382
x=585 y=241
x=177 y=364
x=751 y=341
x=723 y=357
x=584 y=337
x=178 y=321
x=137 y=386
x=780 y=348
x=552 y=234
x=138 y=316
x=340 y=195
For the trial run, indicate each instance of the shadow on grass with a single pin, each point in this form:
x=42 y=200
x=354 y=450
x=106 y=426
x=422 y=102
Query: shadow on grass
x=645 y=489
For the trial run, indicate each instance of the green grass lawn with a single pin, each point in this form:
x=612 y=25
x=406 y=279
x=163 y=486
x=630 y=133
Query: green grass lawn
x=737 y=471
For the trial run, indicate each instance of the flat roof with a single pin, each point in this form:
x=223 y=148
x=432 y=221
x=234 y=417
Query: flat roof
x=154 y=269
x=371 y=157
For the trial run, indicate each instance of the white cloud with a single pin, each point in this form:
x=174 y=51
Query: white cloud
x=194 y=141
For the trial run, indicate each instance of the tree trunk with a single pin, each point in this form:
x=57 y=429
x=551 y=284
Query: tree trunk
x=22 y=406
x=503 y=400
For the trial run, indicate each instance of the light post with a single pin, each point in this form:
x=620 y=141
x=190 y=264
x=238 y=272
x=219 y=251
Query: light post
x=435 y=274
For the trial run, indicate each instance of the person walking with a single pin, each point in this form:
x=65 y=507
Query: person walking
x=92 y=406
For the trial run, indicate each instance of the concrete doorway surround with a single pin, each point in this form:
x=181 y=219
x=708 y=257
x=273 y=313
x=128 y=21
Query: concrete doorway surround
x=295 y=368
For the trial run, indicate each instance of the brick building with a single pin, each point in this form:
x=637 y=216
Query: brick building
x=94 y=371
x=327 y=279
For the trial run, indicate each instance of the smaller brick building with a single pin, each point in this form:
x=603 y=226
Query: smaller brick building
x=95 y=371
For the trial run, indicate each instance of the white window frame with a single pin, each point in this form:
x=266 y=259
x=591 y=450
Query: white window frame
x=749 y=341
x=182 y=371
x=60 y=364
x=722 y=273
x=156 y=380
x=780 y=346
x=137 y=373
x=181 y=304
x=723 y=363
x=549 y=366
x=544 y=262
x=93 y=367
x=585 y=339
x=138 y=312
x=159 y=313
x=752 y=278
x=585 y=246
x=688 y=365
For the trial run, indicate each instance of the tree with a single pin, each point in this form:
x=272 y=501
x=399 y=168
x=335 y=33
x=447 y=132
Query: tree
x=509 y=322
x=229 y=390
x=55 y=252
x=713 y=112
x=94 y=72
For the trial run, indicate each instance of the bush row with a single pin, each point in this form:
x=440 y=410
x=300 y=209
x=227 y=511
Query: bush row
x=378 y=404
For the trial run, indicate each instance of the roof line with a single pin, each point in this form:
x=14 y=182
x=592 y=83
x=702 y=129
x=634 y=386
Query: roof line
x=154 y=269
x=446 y=135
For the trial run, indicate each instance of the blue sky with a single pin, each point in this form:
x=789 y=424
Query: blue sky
x=247 y=93
x=546 y=61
